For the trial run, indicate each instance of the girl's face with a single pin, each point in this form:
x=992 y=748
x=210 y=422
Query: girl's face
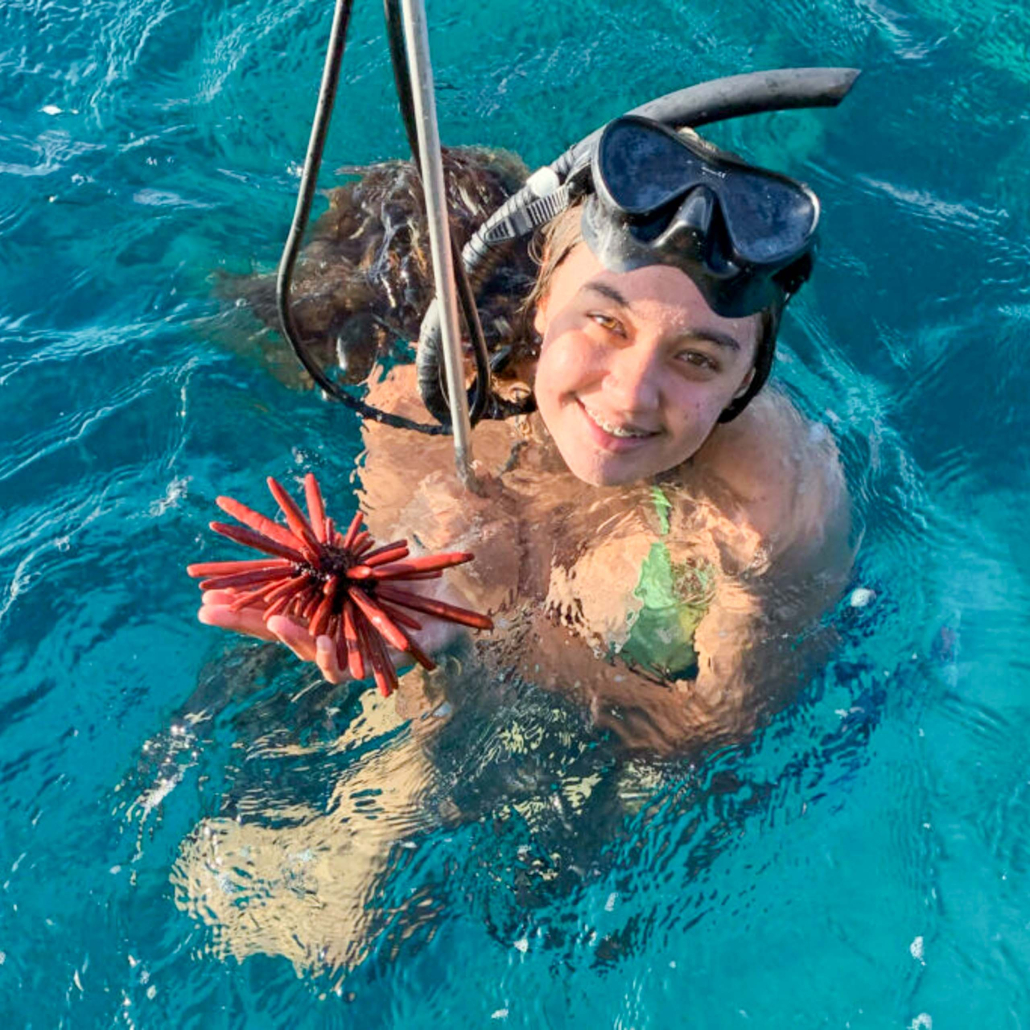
x=635 y=368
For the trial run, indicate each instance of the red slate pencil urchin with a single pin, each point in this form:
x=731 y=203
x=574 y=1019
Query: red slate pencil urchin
x=342 y=584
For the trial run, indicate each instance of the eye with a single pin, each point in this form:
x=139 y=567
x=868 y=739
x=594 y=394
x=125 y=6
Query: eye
x=698 y=359
x=607 y=322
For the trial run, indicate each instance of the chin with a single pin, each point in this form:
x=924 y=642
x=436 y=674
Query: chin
x=595 y=478
x=609 y=473
x=602 y=466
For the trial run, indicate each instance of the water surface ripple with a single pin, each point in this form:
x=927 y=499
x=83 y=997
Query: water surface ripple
x=863 y=863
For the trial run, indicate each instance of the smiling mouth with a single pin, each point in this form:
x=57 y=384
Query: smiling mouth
x=620 y=432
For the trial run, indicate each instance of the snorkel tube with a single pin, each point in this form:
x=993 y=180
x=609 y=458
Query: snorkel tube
x=554 y=187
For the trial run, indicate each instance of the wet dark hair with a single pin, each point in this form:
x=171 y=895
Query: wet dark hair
x=556 y=241
x=364 y=279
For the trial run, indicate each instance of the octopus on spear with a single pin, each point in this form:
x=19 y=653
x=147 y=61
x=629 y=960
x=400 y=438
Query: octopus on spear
x=340 y=583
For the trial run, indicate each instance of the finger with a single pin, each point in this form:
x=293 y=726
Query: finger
x=248 y=621
x=294 y=636
x=326 y=655
x=219 y=597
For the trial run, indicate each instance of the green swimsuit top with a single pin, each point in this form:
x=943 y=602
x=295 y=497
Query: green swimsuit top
x=674 y=599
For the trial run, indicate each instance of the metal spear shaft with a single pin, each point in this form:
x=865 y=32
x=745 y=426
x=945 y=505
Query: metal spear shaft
x=416 y=41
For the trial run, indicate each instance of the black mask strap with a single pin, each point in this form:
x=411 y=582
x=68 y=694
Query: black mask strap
x=763 y=366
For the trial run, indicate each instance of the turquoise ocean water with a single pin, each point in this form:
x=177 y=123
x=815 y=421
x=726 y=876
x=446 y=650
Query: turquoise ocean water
x=866 y=863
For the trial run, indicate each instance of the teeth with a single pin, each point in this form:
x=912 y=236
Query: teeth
x=614 y=430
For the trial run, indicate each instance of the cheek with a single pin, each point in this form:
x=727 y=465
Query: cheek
x=710 y=405
x=566 y=364
x=693 y=414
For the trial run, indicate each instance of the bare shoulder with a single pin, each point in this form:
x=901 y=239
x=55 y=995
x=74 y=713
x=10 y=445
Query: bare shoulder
x=409 y=489
x=780 y=472
x=397 y=461
x=396 y=391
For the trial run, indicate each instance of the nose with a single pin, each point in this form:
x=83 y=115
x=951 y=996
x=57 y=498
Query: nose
x=633 y=381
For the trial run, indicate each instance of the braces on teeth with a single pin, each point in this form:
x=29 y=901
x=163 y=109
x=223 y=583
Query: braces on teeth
x=614 y=430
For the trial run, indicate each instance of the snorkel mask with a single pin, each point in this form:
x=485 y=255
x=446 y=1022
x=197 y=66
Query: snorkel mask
x=652 y=195
x=742 y=234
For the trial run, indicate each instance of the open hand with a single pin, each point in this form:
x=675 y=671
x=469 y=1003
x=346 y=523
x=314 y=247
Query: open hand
x=216 y=610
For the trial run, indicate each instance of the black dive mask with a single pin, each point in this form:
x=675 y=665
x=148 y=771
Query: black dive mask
x=744 y=235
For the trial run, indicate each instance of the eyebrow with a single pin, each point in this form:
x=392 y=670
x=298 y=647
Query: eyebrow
x=607 y=291
x=716 y=336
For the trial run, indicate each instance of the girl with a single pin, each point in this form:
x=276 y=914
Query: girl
x=656 y=512
x=656 y=543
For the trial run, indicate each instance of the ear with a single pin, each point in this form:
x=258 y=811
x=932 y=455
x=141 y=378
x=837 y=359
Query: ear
x=540 y=315
x=745 y=384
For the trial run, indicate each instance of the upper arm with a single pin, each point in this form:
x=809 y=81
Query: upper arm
x=756 y=645
x=780 y=475
x=728 y=642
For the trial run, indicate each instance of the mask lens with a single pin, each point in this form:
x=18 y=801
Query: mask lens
x=643 y=169
x=768 y=218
